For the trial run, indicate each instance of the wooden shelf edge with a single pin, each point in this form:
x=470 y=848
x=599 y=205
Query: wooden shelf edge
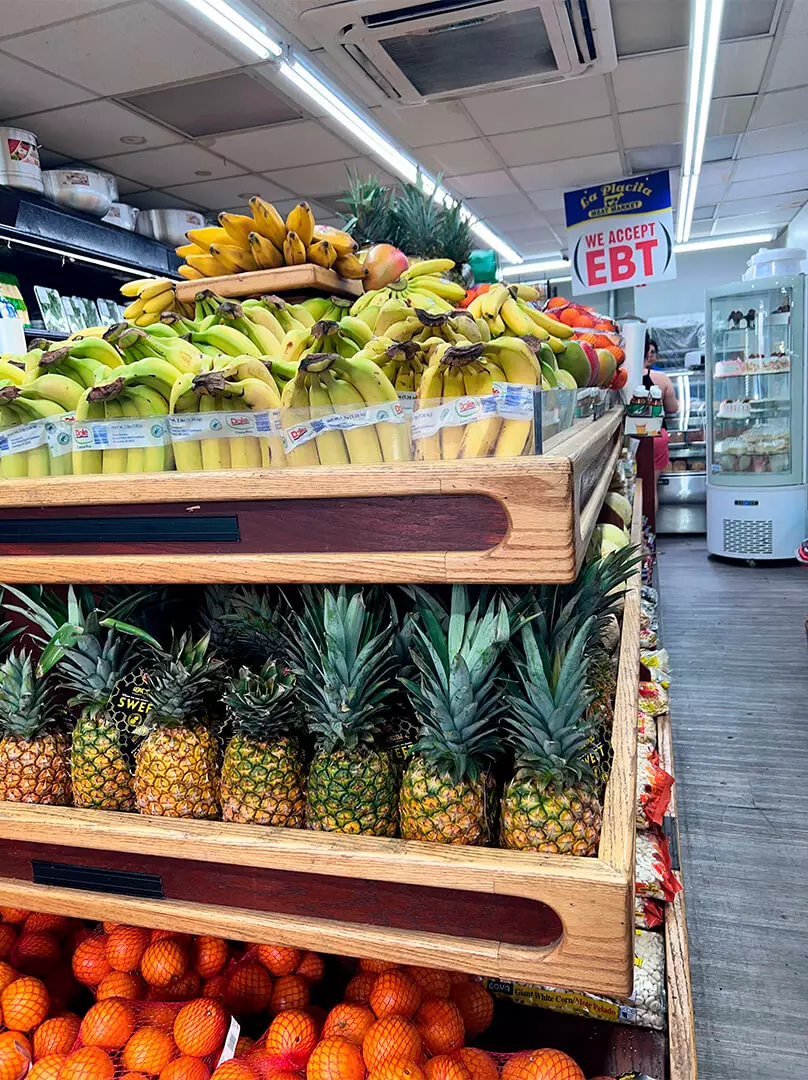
x=305 y=277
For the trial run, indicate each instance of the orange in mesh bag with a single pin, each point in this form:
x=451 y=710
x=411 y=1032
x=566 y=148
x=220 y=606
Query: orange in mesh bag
x=129 y=1040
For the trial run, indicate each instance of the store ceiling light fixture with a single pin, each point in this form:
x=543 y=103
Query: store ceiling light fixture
x=545 y=265
x=230 y=20
x=705 y=38
x=711 y=243
x=137 y=271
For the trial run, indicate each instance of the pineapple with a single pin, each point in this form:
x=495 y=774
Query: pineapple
x=34 y=749
x=176 y=765
x=445 y=791
x=552 y=802
x=91 y=656
x=245 y=624
x=264 y=770
x=345 y=656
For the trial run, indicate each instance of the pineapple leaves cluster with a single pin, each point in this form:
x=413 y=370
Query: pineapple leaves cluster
x=27 y=707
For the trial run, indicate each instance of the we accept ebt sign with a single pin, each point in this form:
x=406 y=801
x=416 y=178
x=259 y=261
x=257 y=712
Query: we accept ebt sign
x=621 y=233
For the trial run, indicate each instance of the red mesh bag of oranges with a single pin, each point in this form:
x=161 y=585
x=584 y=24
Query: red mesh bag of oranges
x=120 y=1039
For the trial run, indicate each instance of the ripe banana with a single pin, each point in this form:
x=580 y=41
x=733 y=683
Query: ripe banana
x=296 y=398
x=348 y=266
x=515 y=318
x=552 y=326
x=322 y=253
x=430 y=393
x=264 y=252
x=145 y=288
x=294 y=250
x=207 y=266
x=429 y=266
x=268 y=222
x=331 y=445
x=88 y=462
x=11 y=372
x=256 y=312
x=362 y=442
x=375 y=388
x=189 y=273
x=300 y=221
x=238 y=227
x=343 y=243
x=211 y=234
x=227 y=340
x=452 y=436
x=148 y=402
x=237 y=260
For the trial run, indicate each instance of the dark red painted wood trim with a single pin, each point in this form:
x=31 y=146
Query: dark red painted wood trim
x=453 y=912
x=410 y=523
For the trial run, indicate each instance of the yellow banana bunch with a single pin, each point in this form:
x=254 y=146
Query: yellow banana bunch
x=239 y=389
x=150 y=297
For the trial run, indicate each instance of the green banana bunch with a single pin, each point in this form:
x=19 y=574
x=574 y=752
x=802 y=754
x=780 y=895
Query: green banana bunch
x=18 y=411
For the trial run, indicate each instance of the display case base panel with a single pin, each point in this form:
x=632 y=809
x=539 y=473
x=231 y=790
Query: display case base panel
x=756 y=523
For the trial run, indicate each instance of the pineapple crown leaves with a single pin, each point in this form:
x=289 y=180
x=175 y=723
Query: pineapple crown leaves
x=458 y=697
x=547 y=725
x=26 y=699
x=344 y=653
x=246 y=624
x=181 y=681
x=264 y=704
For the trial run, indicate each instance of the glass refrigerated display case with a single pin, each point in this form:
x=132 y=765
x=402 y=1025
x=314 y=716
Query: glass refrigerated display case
x=683 y=485
x=756 y=482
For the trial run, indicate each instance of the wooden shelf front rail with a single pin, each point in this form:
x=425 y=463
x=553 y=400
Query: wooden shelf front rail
x=510 y=521
x=302 y=280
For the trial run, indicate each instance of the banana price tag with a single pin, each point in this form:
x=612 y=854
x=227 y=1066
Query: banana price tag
x=514 y=400
x=386 y=412
x=452 y=412
x=17 y=440
x=407 y=399
x=125 y=434
x=59 y=435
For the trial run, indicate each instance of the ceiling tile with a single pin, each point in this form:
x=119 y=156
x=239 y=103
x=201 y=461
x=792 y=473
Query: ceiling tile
x=740 y=66
x=702 y=213
x=25 y=89
x=232 y=191
x=716 y=173
x=798 y=20
x=170 y=165
x=789 y=70
x=729 y=116
x=649 y=158
x=526 y=238
x=650 y=127
x=768 y=185
x=327 y=178
x=548 y=199
x=570 y=140
x=569 y=174
x=288 y=145
x=131 y=48
x=423 y=125
x=94 y=129
x=489 y=207
x=783 y=107
x=484 y=184
x=701 y=228
x=789 y=200
x=719 y=147
x=128 y=187
x=642 y=28
x=540 y=106
x=751 y=222
x=709 y=194
x=459 y=158
x=650 y=81
x=775 y=140
x=161 y=200
x=17 y=18
x=757 y=168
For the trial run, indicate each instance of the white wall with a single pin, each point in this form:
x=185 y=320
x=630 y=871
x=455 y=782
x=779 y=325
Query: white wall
x=797 y=233
x=697 y=272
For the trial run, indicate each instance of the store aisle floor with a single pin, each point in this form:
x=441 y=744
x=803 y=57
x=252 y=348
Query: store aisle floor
x=739 y=708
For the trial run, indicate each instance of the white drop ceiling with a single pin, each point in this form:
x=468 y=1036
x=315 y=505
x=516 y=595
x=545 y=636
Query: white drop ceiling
x=117 y=84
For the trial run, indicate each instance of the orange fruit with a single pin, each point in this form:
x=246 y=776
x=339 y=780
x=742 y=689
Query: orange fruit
x=584 y=321
x=200 y=1027
x=159 y=1014
x=366 y=964
x=311 y=967
x=149 y=1050
x=434 y=982
x=56 y=1036
x=390 y=1039
x=90 y=964
x=567 y=316
x=395 y=993
x=108 y=1024
x=185 y=1068
x=7 y=975
x=125 y=947
x=171 y=935
x=556 y=301
x=163 y=961
x=249 y=989
x=351 y=1022
x=480 y=1065
x=243 y=1045
x=36 y=954
x=398 y=1070
x=25 y=1004
x=89 y=1063
x=440 y=1025
x=446 y=1068
x=47 y=1068
x=476 y=1007
x=278 y=959
x=269 y=1072
x=358 y=989
x=541 y=1065
x=335 y=1059
x=15 y=1055
x=617 y=353
x=208 y=956
x=181 y=988
x=216 y=986
x=235 y=1070
x=133 y=1076
x=289 y=992
x=120 y=984
x=291 y=1037
x=41 y=922
x=458 y=977
x=8 y=937
x=14 y=914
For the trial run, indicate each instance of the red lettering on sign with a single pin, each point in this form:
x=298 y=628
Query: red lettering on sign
x=596 y=268
x=594 y=240
x=621 y=262
x=646 y=249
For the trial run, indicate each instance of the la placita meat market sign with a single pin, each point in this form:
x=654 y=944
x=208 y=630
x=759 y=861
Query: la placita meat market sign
x=621 y=233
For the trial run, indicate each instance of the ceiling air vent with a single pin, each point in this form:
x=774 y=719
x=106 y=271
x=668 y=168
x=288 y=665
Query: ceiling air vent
x=446 y=48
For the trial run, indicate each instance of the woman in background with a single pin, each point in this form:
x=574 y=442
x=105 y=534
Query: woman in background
x=670 y=405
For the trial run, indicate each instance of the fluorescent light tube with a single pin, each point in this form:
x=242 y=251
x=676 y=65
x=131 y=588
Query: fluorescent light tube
x=233 y=23
x=536 y=267
x=135 y=271
x=705 y=38
x=713 y=243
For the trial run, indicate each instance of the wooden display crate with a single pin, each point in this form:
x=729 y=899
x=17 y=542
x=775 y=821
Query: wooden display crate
x=298 y=280
x=510 y=521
